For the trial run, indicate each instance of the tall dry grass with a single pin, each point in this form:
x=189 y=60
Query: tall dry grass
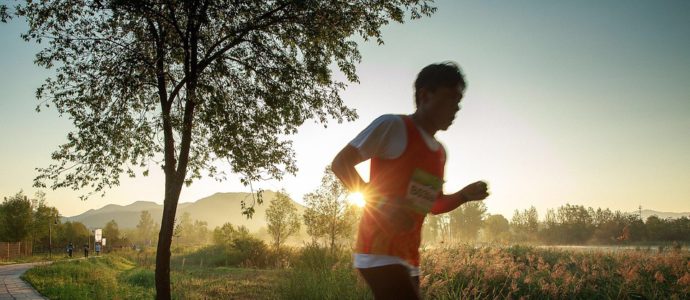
x=517 y=272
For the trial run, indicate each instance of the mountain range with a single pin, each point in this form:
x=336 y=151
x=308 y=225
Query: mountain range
x=216 y=210
x=663 y=215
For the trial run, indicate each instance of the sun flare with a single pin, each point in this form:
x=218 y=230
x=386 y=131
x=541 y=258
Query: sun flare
x=356 y=198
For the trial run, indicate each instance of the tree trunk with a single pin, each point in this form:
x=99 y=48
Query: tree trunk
x=173 y=186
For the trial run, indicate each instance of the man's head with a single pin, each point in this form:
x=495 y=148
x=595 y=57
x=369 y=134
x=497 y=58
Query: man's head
x=438 y=91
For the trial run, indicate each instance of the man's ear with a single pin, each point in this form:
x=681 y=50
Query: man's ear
x=422 y=96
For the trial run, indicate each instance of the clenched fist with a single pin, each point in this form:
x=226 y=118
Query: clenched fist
x=475 y=191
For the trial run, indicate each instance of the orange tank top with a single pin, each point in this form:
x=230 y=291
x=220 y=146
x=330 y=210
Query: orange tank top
x=405 y=189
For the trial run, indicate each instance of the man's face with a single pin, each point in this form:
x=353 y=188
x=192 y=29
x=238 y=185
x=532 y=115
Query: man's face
x=441 y=105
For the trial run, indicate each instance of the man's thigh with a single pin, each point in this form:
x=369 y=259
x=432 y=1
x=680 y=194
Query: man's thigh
x=391 y=282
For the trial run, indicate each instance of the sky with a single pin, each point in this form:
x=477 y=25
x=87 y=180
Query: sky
x=580 y=102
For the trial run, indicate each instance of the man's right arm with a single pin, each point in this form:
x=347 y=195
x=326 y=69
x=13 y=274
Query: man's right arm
x=343 y=167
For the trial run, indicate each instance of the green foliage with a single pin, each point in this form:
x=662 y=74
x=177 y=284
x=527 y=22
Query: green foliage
x=243 y=252
x=282 y=218
x=146 y=229
x=111 y=232
x=191 y=233
x=45 y=224
x=243 y=73
x=17 y=218
x=525 y=225
x=496 y=228
x=328 y=215
x=467 y=219
x=224 y=235
x=75 y=232
x=234 y=247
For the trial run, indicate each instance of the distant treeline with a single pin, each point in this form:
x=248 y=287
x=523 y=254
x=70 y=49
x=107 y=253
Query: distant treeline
x=31 y=220
x=568 y=224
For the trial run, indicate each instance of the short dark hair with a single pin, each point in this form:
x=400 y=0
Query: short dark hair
x=445 y=74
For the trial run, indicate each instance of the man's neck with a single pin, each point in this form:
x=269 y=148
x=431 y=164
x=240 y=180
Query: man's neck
x=424 y=123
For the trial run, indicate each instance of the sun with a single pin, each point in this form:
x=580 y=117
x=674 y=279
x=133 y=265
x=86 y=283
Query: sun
x=357 y=199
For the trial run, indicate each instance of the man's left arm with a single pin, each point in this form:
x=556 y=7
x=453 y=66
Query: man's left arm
x=474 y=192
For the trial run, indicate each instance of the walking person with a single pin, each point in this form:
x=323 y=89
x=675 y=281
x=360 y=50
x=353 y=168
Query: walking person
x=406 y=180
x=98 y=249
x=86 y=250
x=70 y=248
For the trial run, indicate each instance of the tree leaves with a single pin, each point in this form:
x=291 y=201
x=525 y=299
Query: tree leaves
x=261 y=69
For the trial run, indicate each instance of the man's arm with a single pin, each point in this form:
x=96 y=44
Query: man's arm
x=473 y=192
x=343 y=167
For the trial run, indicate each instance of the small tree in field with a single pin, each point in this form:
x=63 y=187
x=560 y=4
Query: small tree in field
x=146 y=228
x=282 y=218
x=111 y=232
x=185 y=84
x=328 y=215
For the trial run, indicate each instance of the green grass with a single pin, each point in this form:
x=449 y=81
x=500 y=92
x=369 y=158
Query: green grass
x=35 y=258
x=116 y=277
x=94 y=278
x=225 y=283
x=319 y=273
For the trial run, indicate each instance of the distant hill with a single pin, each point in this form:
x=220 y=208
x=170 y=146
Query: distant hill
x=661 y=214
x=216 y=210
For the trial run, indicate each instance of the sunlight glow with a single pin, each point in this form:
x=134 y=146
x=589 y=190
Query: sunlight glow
x=357 y=199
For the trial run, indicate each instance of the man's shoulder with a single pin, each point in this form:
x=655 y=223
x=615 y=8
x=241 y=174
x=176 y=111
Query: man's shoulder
x=388 y=119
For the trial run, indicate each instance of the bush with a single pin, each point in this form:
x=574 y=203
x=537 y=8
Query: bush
x=315 y=257
x=244 y=251
x=249 y=251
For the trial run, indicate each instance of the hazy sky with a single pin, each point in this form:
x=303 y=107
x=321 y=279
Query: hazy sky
x=580 y=102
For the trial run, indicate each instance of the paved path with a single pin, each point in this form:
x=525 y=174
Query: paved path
x=13 y=287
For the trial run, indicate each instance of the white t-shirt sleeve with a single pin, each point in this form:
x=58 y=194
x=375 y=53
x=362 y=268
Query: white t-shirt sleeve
x=385 y=137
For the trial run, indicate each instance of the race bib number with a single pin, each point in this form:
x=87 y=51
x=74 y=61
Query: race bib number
x=423 y=190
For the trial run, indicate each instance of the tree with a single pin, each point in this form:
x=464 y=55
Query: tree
x=282 y=218
x=146 y=227
x=525 y=225
x=74 y=232
x=45 y=220
x=184 y=229
x=467 y=219
x=328 y=214
x=17 y=218
x=191 y=82
x=496 y=227
x=576 y=223
x=224 y=235
x=200 y=233
x=111 y=232
x=433 y=228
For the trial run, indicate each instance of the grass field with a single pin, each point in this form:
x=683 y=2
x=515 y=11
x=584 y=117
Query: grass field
x=458 y=272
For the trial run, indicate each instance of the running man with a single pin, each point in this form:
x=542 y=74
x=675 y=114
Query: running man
x=406 y=180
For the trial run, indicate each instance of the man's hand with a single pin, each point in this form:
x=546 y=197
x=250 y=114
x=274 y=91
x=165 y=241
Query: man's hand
x=475 y=191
